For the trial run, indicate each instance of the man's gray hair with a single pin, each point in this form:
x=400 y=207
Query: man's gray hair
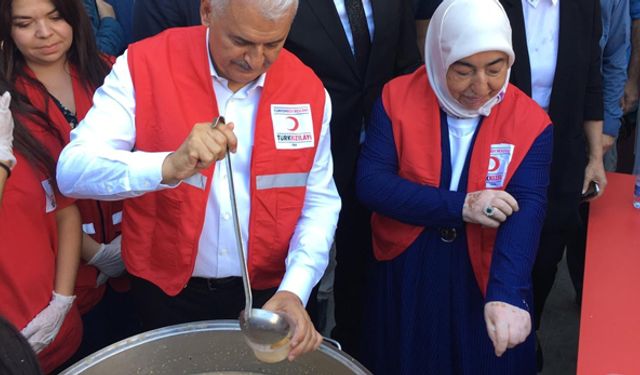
x=271 y=9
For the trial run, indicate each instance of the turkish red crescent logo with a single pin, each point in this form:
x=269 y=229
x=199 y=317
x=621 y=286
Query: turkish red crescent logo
x=494 y=163
x=296 y=124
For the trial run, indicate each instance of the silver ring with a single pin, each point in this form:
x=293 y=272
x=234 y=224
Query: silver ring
x=489 y=211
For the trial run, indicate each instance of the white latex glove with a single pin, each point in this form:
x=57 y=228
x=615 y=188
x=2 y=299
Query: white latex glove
x=488 y=207
x=108 y=260
x=507 y=325
x=42 y=330
x=6 y=130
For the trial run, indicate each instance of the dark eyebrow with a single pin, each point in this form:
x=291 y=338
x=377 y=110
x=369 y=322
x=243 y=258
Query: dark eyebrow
x=471 y=66
x=28 y=17
x=464 y=63
x=498 y=60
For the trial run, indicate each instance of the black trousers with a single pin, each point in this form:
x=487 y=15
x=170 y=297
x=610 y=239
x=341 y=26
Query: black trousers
x=576 y=250
x=202 y=299
x=354 y=257
x=559 y=230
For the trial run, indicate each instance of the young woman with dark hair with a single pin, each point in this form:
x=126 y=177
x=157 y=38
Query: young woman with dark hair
x=41 y=240
x=52 y=67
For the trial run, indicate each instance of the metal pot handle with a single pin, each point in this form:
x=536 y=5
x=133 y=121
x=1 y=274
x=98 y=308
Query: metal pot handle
x=332 y=342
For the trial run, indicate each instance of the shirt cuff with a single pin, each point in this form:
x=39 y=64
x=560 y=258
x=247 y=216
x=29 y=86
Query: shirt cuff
x=611 y=126
x=146 y=171
x=299 y=282
x=507 y=295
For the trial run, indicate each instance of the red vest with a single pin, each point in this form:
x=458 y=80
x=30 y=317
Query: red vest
x=30 y=242
x=413 y=109
x=174 y=90
x=96 y=215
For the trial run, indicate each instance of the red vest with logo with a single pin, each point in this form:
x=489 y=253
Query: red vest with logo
x=174 y=91
x=414 y=112
x=32 y=241
x=100 y=220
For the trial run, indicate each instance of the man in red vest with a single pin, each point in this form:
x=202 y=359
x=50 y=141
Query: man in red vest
x=149 y=138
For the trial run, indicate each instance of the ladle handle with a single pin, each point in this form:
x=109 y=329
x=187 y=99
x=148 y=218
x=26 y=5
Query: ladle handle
x=248 y=298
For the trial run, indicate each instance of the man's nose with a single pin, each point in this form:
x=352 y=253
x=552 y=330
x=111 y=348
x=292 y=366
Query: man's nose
x=255 y=57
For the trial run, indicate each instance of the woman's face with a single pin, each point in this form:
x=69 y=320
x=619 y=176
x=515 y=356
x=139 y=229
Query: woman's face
x=40 y=33
x=474 y=80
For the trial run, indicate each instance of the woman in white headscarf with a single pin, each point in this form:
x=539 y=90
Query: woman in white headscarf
x=455 y=167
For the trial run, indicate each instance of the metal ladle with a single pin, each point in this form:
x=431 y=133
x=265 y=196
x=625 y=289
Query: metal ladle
x=260 y=326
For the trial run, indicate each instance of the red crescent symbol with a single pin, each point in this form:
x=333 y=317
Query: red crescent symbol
x=496 y=164
x=296 y=124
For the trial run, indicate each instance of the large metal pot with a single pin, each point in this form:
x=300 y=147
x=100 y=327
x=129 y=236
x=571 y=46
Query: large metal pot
x=204 y=347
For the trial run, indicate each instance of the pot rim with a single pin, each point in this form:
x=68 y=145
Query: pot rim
x=192 y=327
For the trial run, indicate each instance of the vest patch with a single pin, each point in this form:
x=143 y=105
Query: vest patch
x=89 y=228
x=292 y=126
x=116 y=218
x=499 y=159
x=50 y=196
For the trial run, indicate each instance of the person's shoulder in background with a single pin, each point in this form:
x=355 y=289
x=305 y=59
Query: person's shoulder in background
x=150 y=17
x=424 y=9
x=634 y=9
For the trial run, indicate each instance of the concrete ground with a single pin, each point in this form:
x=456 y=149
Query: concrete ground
x=560 y=327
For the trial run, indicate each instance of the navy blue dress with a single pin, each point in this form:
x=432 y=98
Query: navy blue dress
x=426 y=311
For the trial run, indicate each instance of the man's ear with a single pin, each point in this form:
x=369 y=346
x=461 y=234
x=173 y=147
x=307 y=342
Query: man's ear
x=205 y=11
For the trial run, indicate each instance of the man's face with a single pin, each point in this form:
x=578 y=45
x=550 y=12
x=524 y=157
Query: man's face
x=243 y=43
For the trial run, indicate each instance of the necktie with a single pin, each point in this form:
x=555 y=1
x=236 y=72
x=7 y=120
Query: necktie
x=360 y=33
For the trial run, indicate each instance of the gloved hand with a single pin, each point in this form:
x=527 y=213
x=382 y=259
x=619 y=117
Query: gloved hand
x=42 y=330
x=6 y=130
x=108 y=260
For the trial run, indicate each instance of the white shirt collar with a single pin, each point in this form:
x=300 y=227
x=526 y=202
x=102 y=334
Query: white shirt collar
x=534 y=3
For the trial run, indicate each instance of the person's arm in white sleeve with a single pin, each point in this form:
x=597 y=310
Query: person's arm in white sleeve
x=99 y=162
x=309 y=247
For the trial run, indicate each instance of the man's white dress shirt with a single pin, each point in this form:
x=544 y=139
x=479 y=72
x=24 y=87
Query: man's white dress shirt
x=542 y=25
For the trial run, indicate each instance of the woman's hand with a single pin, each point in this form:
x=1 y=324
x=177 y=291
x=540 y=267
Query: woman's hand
x=507 y=325
x=105 y=9
x=489 y=208
x=6 y=131
x=44 y=328
x=108 y=259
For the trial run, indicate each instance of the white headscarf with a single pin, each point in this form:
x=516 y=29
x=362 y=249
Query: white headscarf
x=459 y=29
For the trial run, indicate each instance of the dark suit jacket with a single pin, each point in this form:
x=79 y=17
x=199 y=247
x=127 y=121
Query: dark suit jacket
x=318 y=39
x=577 y=86
x=150 y=17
